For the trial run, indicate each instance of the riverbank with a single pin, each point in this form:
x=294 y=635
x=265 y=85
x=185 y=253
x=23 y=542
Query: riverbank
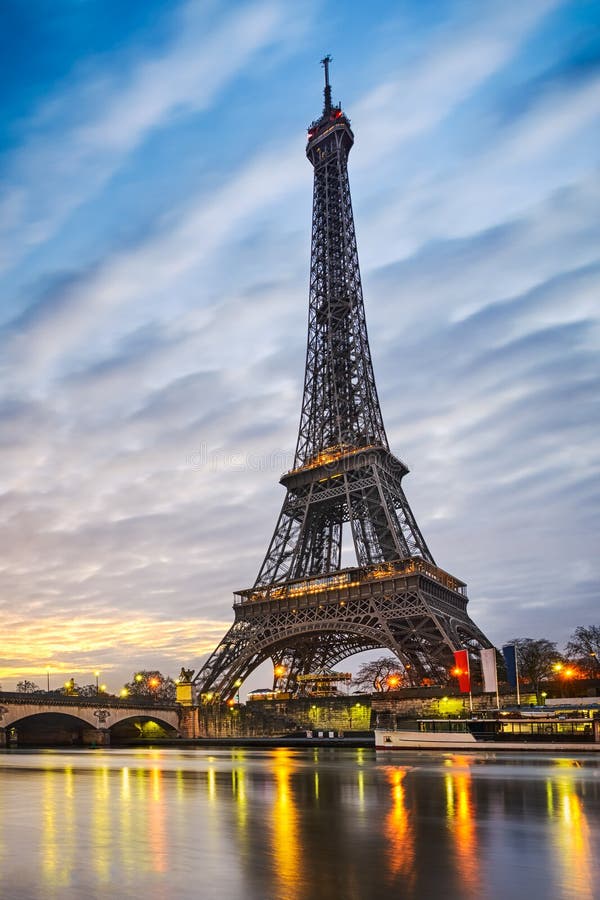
x=350 y=741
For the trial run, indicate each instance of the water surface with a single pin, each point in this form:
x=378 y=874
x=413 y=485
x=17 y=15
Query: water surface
x=297 y=825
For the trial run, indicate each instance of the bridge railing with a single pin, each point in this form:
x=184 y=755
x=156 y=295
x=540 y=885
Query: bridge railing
x=45 y=699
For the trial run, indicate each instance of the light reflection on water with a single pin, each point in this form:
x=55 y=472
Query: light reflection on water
x=297 y=824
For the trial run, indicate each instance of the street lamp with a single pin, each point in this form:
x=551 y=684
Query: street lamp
x=97 y=674
x=238 y=684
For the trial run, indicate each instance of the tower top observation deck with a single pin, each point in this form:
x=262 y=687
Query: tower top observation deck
x=333 y=119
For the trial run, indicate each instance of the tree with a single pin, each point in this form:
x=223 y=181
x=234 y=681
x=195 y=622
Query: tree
x=383 y=674
x=536 y=660
x=584 y=649
x=90 y=690
x=152 y=683
x=27 y=687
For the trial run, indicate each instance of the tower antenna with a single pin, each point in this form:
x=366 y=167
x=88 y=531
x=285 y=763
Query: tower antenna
x=327 y=90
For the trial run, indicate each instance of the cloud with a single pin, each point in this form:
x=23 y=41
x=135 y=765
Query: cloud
x=77 y=646
x=85 y=132
x=459 y=59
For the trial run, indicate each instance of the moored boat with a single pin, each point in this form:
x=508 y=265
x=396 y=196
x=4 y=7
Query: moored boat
x=504 y=732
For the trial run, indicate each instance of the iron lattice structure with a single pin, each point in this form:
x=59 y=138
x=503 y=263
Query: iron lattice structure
x=305 y=611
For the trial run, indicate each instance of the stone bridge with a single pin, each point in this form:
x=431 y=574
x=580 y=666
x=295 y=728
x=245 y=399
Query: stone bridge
x=90 y=719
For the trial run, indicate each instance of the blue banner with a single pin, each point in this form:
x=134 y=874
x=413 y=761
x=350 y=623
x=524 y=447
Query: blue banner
x=509 y=653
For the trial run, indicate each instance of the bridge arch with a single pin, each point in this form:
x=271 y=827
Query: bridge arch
x=40 y=719
x=54 y=728
x=147 y=726
x=356 y=636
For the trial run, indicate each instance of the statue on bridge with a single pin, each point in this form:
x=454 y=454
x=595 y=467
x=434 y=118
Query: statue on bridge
x=185 y=676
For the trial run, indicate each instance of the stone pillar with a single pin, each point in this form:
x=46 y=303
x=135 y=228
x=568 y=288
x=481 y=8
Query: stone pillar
x=188 y=722
x=186 y=693
x=96 y=737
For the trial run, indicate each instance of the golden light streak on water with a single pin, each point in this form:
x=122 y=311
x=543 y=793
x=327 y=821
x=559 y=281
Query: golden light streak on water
x=156 y=823
x=360 y=779
x=549 y=797
x=399 y=830
x=49 y=815
x=126 y=836
x=125 y=785
x=212 y=785
x=572 y=842
x=101 y=825
x=449 y=783
x=180 y=784
x=58 y=823
x=285 y=836
x=238 y=787
x=461 y=818
x=68 y=824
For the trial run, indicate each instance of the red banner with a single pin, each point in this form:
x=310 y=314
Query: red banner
x=461 y=670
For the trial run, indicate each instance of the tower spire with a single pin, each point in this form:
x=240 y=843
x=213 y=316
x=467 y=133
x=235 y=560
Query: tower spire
x=327 y=89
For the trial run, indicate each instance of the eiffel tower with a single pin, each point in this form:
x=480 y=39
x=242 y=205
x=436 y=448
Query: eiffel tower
x=305 y=612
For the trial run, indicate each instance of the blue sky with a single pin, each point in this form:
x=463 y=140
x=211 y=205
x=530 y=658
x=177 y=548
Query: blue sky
x=155 y=210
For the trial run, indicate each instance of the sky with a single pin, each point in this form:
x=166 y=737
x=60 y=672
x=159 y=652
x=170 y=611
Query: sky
x=155 y=206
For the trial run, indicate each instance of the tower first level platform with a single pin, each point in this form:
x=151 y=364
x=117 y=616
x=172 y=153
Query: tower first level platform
x=411 y=607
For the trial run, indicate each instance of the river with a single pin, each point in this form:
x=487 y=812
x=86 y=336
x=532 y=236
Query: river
x=297 y=824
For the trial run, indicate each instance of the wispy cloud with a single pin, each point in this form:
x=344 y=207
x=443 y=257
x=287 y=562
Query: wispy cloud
x=82 y=135
x=77 y=646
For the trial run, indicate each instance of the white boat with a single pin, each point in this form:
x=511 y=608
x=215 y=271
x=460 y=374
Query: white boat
x=505 y=732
